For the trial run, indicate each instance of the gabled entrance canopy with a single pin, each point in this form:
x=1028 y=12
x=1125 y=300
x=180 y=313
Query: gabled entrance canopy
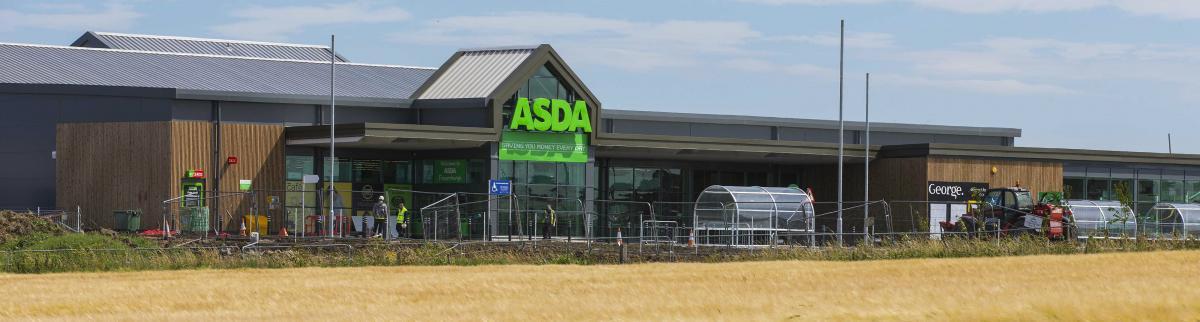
x=490 y=77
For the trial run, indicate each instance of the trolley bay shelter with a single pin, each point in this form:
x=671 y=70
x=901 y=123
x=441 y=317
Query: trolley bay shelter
x=121 y=121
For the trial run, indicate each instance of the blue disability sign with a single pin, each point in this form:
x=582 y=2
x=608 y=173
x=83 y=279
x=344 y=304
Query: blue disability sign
x=500 y=187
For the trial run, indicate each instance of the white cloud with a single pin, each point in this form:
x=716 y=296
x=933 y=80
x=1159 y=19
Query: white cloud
x=275 y=23
x=1170 y=9
x=626 y=44
x=763 y=66
x=853 y=39
x=988 y=86
x=113 y=16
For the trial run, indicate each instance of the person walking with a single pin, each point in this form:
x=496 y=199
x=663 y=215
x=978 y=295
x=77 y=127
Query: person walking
x=550 y=224
x=380 y=213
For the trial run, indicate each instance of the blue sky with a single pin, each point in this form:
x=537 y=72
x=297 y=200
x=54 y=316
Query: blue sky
x=1096 y=74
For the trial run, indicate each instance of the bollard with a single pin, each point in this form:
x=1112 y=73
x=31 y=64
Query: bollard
x=624 y=253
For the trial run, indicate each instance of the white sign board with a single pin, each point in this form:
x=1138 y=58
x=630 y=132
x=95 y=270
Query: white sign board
x=937 y=213
x=1034 y=222
x=957 y=210
x=311 y=178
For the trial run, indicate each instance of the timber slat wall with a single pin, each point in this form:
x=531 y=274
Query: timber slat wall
x=1037 y=176
x=260 y=152
x=103 y=167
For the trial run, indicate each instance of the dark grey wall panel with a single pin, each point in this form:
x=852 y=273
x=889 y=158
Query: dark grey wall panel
x=650 y=127
x=191 y=110
x=26 y=165
x=26 y=193
x=731 y=131
x=32 y=136
x=809 y=135
x=113 y=109
x=891 y=138
x=268 y=113
x=475 y=117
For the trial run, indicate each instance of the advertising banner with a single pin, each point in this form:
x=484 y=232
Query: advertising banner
x=341 y=198
x=365 y=195
x=450 y=171
x=544 y=146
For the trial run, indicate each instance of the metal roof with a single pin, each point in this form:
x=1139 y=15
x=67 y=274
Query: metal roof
x=476 y=72
x=39 y=64
x=219 y=47
x=804 y=123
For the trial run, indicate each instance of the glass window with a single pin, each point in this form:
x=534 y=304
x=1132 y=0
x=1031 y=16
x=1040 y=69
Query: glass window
x=366 y=170
x=1147 y=191
x=1111 y=194
x=1075 y=188
x=542 y=173
x=298 y=166
x=1193 y=191
x=397 y=172
x=1172 y=191
x=343 y=170
x=1098 y=189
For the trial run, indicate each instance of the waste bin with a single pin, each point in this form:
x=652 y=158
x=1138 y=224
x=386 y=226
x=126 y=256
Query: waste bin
x=127 y=220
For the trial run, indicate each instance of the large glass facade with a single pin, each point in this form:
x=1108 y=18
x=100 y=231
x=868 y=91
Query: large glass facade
x=538 y=187
x=1146 y=185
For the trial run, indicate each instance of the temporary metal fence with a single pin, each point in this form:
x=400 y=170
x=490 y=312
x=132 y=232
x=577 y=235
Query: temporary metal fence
x=69 y=219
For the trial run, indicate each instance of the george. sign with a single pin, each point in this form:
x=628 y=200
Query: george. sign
x=550 y=115
x=450 y=171
x=500 y=187
x=244 y=185
x=952 y=191
x=546 y=147
x=231 y=160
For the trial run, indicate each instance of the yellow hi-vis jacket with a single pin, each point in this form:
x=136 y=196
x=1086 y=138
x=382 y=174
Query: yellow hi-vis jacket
x=400 y=214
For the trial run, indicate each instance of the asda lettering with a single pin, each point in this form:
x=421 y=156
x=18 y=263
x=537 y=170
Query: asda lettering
x=550 y=115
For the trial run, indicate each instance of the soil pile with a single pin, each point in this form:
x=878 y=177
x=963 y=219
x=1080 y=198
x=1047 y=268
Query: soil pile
x=16 y=224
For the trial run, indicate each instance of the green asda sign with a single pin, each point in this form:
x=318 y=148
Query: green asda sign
x=550 y=115
x=544 y=146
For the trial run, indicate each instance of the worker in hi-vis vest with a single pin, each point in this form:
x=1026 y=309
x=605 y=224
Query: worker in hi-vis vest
x=551 y=223
x=401 y=225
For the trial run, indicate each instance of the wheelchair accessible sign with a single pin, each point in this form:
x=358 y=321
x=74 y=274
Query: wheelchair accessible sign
x=500 y=187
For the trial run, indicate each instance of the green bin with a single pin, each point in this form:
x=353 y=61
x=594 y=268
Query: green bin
x=128 y=220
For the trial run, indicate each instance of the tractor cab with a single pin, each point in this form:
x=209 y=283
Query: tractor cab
x=1013 y=210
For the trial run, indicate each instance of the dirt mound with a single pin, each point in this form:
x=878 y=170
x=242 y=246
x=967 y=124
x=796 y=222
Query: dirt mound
x=15 y=224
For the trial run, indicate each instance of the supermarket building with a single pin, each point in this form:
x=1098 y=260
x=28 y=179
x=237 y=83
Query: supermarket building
x=117 y=121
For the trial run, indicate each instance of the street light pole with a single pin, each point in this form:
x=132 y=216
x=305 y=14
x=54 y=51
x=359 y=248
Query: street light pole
x=332 y=123
x=841 y=129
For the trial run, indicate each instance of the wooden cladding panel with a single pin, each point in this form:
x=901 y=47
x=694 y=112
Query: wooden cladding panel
x=103 y=167
x=1037 y=176
x=900 y=179
x=260 y=152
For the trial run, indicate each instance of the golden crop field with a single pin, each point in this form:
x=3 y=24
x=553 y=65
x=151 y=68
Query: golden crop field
x=1129 y=286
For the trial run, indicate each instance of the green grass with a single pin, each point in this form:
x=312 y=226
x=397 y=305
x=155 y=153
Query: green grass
x=94 y=252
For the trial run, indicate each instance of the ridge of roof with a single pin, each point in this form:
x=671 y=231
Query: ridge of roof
x=500 y=48
x=250 y=42
x=210 y=56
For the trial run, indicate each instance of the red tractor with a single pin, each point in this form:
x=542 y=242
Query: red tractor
x=1012 y=212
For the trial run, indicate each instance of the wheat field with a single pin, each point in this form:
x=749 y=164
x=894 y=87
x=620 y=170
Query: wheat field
x=1127 y=286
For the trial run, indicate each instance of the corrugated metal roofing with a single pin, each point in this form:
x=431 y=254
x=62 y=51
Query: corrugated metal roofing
x=476 y=73
x=220 y=47
x=37 y=64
